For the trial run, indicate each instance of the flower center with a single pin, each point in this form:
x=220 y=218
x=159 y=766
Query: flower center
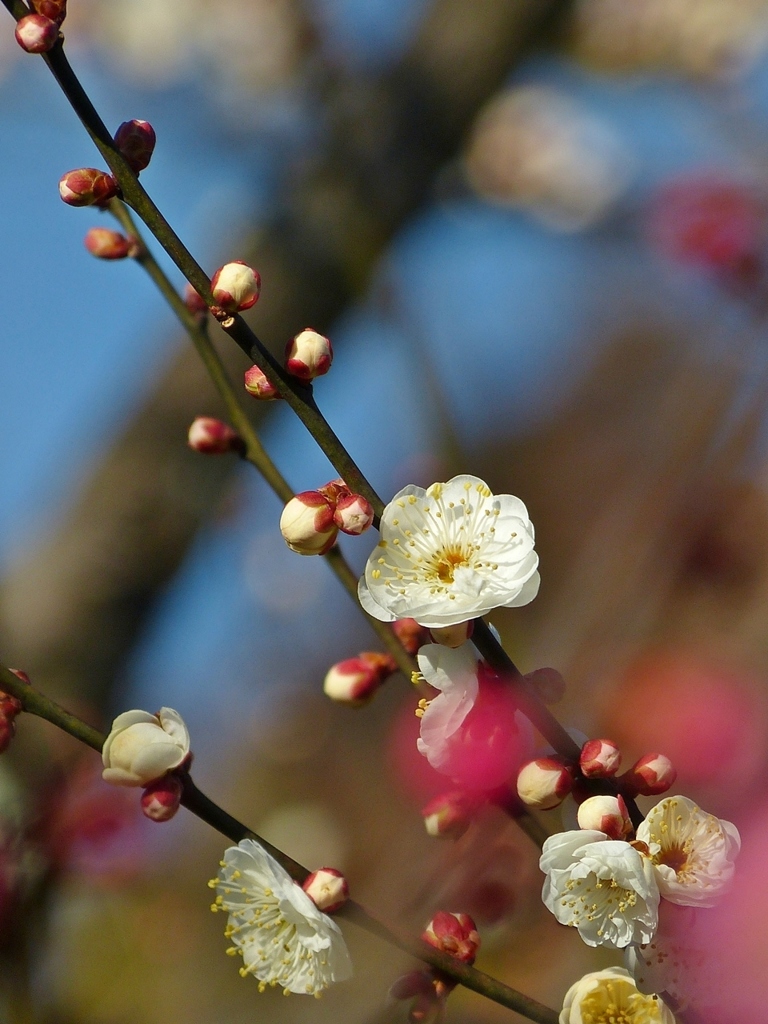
x=446 y=562
x=618 y=1003
x=675 y=857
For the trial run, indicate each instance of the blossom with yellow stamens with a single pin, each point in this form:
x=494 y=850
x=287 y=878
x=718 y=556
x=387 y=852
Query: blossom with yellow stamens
x=274 y=925
x=611 y=997
x=450 y=553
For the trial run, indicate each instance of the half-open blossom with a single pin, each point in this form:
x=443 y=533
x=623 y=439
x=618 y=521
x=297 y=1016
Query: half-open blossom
x=281 y=935
x=450 y=553
x=604 y=887
x=693 y=852
x=470 y=731
x=235 y=286
x=142 y=747
x=612 y=996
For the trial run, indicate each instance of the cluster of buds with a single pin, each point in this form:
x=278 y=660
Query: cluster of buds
x=355 y=680
x=210 y=436
x=89 y=186
x=545 y=782
x=327 y=888
x=39 y=32
x=235 y=287
x=106 y=244
x=449 y=815
x=311 y=520
x=10 y=707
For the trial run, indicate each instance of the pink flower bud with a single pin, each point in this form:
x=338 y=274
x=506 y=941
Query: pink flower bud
x=652 y=774
x=454 y=934
x=309 y=355
x=161 y=799
x=56 y=10
x=235 y=286
x=450 y=814
x=353 y=515
x=87 y=186
x=212 y=437
x=327 y=888
x=599 y=759
x=355 y=680
x=548 y=683
x=257 y=384
x=21 y=675
x=307 y=524
x=453 y=636
x=107 y=244
x=136 y=141
x=410 y=634
x=335 y=490
x=605 y=814
x=544 y=783
x=36 y=34
x=194 y=301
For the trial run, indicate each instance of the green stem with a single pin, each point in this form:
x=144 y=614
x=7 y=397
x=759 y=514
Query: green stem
x=203 y=807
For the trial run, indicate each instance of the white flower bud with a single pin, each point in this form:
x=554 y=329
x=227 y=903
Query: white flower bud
x=235 y=286
x=308 y=355
x=307 y=524
x=355 y=680
x=327 y=888
x=453 y=636
x=599 y=759
x=652 y=774
x=544 y=783
x=210 y=436
x=606 y=814
x=353 y=515
x=141 y=747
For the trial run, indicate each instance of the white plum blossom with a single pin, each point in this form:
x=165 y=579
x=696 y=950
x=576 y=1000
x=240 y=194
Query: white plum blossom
x=611 y=997
x=450 y=553
x=281 y=935
x=604 y=887
x=693 y=852
x=454 y=673
x=142 y=747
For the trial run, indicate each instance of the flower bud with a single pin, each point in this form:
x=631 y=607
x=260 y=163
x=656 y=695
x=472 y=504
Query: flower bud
x=136 y=141
x=454 y=934
x=335 y=490
x=160 y=800
x=87 y=186
x=415 y=983
x=453 y=636
x=599 y=759
x=141 y=748
x=327 y=888
x=10 y=707
x=544 y=783
x=355 y=680
x=257 y=384
x=652 y=774
x=106 y=244
x=307 y=524
x=56 y=10
x=353 y=515
x=411 y=635
x=36 y=34
x=235 y=286
x=194 y=301
x=606 y=814
x=450 y=814
x=212 y=437
x=308 y=355
x=548 y=683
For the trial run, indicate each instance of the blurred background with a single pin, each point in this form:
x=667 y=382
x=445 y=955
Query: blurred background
x=535 y=231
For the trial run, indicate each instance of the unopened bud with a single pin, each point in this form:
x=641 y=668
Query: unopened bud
x=10 y=707
x=36 y=34
x=257 y=384
x=56 y=10
x=548 y=683
x=327 y=888
x=161 y=799
x=355 y=680
x=307 y=524
x=353 y=515
x=652 y=774
x=194 y=301
x=453 y=636
x=454 y=934
x=335 y=490
x=606 y=814
x=107 y=244
x=599 y=759
x=87 y=186
x=212 y=437
x=544 y=783
x=136 y=141
x=410 y=634
x=308 y=355
x=235 y=286
x=449 y=815
x=21 y=675
x=415 y=983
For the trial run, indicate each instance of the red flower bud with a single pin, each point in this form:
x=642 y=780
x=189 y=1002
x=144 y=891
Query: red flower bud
x=353 y=515
x=651 y=775
x=454 y=934
x=605 y=814
x=235 y=286
x=162 y=798
x=544 y=783
x=450 y=814
x=36 y=34
x=257 y=384
x=107 y=244
x=599 y=759
x=56 y=10
x=194 y=301
x=327 y=888
x=212 y=437
x=136 y=141
x=87 y=186
x=410 y=634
